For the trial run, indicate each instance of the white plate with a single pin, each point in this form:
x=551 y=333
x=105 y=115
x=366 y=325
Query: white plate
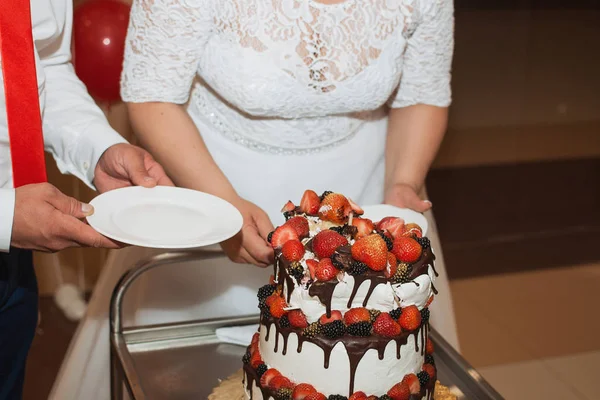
x=164 y=217
x=379 y=211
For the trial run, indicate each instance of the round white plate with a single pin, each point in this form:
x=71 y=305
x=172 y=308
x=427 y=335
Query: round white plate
x=379 y=211
x=164 y=217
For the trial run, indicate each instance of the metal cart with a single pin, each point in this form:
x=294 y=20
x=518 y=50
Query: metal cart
x=184 y=361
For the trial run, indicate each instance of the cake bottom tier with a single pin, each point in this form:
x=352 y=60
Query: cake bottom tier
x=345 y=365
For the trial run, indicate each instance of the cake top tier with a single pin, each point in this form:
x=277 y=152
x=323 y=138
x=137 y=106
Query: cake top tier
x=329 y=258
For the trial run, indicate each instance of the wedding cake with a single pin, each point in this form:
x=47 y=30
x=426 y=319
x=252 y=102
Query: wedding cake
x=345 y=315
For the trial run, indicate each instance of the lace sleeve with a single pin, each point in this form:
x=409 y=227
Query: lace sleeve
x=428 y=57
x=163 y=49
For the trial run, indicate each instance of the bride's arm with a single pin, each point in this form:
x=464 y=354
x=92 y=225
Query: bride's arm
x=419 y=111
x=168 y=132
x=414 y=137
x=164 y=47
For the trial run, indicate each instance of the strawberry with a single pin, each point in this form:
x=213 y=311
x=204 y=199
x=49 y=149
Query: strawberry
x=430 y=369
x=297 y=319
x=355 y=208
x=316 y=396
x=269 y=300
x=385 y=325
x=310 y=203
x=355 y=315
x=410 y=319
x=392 y=265
x=412 y=230
x=358 y=396
x=429 y=347
x=282 y=235
x=335 y=208
x=312 y=267
x=413 y=383
x=256 y=360
x=365 y=227
x=254 y=343
x=372 y=251
x=289 y=206
x=280 y=382
x=394 y=225
x=335 y=316
x=325 y=270
x=302 y=390
x=325 y=243
x=407 y=249
x=293 y=250
x=266 y=378
x=277 y=307
x=300 y=225
x=399 y=391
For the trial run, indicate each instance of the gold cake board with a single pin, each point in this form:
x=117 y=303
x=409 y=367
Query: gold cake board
x=233 y=389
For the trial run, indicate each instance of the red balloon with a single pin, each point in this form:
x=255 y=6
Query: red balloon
x=99 y=31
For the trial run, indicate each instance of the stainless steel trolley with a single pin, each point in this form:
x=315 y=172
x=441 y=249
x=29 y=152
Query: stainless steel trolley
x=185 y=361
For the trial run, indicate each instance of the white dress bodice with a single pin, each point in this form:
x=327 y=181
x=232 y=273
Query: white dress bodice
x=289 y=76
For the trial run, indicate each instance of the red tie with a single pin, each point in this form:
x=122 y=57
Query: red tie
x=21 y=91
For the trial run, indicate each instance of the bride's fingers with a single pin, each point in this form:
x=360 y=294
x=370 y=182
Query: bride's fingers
x=257 y=247
x=263 y=224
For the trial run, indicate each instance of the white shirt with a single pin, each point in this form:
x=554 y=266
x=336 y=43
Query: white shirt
x=75 y=129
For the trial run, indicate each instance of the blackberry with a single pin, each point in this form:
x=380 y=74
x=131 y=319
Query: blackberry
x=357 y=268
x=423 y=378
x=384 y=397
x=284 y=322
x=296 y=270
x=284 y=394
x=334 y=330
x=395 y=314
x=425 y=315
x=265 y=292
x=270 y=236
x=402 y=275
x=360 y=329
x=424 y=242
x=388 y=242
x=325 y=194
x=246 y=358
x=429 y=359
x=289 y=214
x=337 y=397
x=266 y=312
x=374 y=314
x=260 y=370
x=312 y=330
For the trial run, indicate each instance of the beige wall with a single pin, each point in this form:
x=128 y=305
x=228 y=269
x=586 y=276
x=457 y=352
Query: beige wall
x=526 y=87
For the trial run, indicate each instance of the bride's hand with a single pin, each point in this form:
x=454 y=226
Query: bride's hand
x=405 y=196
x=250 y=245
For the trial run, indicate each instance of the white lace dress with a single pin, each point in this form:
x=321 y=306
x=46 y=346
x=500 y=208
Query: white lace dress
x=287 y=95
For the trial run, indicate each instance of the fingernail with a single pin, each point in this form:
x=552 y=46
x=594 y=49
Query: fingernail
x=149 y=179
x=87 y=209
x=428 y=202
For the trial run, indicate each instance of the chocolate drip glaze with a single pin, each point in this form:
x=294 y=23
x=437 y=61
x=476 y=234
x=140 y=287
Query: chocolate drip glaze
x=376 y=278
x=324 y=291
x=356 y=346
x=422 y=265
x=282 y=276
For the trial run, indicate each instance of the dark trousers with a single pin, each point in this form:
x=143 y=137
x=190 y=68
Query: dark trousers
x=18 y=319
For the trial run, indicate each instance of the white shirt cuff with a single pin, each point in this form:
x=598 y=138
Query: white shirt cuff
x=88 y=148
x=7 y=214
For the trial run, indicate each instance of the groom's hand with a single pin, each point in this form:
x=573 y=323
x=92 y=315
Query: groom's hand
x=124 y=165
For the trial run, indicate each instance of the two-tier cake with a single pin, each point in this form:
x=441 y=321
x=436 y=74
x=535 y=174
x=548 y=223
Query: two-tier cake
x=346 y=313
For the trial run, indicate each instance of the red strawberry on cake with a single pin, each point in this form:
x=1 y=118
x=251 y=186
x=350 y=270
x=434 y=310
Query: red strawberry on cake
x=372 y=251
